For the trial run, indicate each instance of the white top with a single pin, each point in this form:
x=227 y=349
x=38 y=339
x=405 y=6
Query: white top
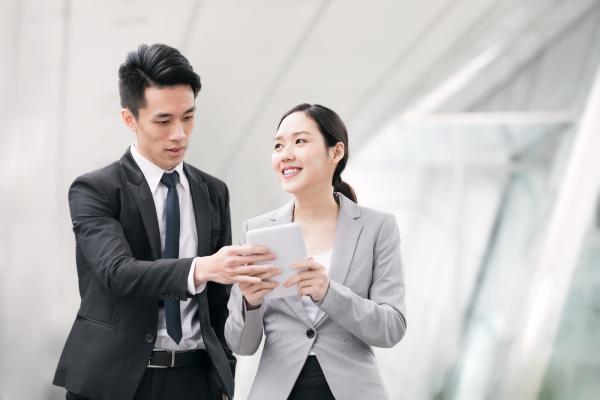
x=309 y=306
x=188 y=247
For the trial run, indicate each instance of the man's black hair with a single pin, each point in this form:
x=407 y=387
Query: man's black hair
x=157 y=65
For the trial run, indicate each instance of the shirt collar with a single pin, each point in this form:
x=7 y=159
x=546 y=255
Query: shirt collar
x=153 y=173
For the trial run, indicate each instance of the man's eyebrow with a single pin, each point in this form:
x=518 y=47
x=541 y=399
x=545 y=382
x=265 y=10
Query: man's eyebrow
x=167 y=115
x=294 y=134
x=162 y=115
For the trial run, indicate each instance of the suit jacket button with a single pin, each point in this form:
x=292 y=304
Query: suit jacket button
x=149 y=338
x=310 y=333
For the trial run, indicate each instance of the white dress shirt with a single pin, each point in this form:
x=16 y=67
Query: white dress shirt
x=188 y=247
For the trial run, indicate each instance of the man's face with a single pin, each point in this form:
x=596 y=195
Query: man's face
x=163 y=127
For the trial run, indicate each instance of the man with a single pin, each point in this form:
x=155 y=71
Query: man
x=153 y=253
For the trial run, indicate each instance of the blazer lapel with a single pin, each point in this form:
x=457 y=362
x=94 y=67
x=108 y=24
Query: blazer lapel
x=138 y=187
x=347 y=232
x=201 y=201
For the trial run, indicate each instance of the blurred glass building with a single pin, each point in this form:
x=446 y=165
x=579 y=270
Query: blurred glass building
x=477 y=122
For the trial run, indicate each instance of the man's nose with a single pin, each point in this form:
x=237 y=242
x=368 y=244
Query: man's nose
x=178 y=133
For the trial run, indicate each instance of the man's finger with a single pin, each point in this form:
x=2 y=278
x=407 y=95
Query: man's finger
x=253 y=269
x=253 y=259
x=246 y=278
x=249 y=249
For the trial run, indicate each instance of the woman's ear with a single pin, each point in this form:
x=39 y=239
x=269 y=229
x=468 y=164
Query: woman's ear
x=337 y=152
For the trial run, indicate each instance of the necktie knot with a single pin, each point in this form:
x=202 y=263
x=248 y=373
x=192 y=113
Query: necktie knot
x=170 y=180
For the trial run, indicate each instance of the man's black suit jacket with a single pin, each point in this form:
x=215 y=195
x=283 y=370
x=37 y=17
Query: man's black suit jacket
x=122 y=279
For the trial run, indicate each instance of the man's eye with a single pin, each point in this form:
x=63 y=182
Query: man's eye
x=189 y=117
x=163 y=122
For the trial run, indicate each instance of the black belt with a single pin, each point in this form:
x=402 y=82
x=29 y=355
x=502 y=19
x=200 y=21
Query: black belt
x=174 y=359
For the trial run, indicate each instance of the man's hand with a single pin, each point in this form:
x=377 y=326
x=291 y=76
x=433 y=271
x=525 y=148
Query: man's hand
x=233 y=264
x=312 y=281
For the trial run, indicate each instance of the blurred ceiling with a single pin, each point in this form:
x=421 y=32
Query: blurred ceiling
x=370 y=61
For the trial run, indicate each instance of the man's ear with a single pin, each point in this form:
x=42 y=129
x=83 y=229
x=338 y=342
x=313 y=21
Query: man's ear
x=129 y=119
x=337 y=152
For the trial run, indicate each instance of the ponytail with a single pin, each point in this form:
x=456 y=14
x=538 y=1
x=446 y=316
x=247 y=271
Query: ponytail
x=342 y=187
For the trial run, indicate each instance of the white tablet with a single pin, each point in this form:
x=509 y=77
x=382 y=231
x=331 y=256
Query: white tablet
x=287 y=242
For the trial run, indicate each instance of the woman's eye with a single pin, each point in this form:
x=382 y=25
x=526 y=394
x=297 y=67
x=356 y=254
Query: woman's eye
x=300 y=141
x=277 y=146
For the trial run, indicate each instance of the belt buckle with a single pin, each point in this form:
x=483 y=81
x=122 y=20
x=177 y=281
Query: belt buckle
x=150 y=365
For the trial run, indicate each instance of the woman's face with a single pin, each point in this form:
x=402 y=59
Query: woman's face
x=301 y=159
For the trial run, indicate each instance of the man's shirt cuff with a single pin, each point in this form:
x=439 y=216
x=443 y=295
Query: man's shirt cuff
x=194 y=290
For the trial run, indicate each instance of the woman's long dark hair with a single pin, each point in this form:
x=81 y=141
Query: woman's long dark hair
x=333 y=130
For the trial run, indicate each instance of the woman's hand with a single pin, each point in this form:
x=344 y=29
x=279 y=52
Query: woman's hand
x=312 y=281
x=255 y=291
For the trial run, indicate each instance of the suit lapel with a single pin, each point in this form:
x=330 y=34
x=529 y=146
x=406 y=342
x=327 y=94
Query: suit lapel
x=201 y=201
x=347 y=232
x=138 y=187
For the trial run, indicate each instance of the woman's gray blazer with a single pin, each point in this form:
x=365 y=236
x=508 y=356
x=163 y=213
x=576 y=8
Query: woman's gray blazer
x=363 y=307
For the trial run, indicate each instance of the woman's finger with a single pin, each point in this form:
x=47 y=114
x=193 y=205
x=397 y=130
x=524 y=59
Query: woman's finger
x=261 y=293
x=269 y=274
x=299 y=276
x=309 y=264
x=263 y=285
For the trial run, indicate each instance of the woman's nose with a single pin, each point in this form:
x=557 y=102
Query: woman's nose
x=288 y=154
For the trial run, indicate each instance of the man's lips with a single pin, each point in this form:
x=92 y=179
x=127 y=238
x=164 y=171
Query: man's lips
x=176 y=150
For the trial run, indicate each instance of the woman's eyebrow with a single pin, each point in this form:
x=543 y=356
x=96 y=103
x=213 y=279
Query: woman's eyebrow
x=293 y=134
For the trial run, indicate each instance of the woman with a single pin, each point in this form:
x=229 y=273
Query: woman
x=318 y=345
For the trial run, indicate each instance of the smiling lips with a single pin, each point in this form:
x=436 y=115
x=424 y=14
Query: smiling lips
x=290 y=172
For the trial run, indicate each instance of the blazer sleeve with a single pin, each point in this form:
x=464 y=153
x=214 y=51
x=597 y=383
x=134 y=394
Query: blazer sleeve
x=218 y=294
x=244 y=328
x=379 y=320
x=103 y=246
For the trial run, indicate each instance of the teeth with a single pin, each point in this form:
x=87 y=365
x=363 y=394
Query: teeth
x=290 y=171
